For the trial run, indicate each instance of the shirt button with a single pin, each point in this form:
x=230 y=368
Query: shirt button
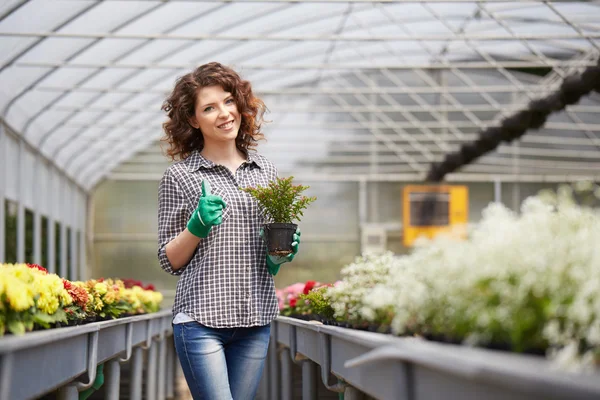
x=247 y=295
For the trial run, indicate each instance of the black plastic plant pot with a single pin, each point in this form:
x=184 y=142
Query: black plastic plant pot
x=279 y=238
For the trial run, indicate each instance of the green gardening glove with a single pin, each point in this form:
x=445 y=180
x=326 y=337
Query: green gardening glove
x=208 y=213
x=274 y=262
x=98 y=382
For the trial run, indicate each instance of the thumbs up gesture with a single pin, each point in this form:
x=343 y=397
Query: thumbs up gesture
x=208 y=213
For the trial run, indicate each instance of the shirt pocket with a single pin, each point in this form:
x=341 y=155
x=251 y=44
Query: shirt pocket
x=229 y=205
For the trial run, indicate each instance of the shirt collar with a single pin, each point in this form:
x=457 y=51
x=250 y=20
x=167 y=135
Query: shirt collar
x=253 y=158
x=196 y=161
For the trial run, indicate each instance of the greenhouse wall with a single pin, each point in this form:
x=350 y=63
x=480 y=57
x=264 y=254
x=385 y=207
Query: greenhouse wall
x=125 y=242
x=42 y=212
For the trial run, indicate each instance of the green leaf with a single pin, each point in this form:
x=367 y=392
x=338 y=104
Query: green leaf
x=280 y=200
x=16 y=327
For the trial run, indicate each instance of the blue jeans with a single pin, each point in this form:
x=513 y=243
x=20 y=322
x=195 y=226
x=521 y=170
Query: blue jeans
x=221 y=364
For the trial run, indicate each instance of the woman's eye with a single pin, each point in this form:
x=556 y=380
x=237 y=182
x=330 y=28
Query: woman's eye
x=207 y=109
x=229 y=101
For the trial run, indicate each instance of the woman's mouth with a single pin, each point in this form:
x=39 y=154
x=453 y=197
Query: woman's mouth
x=226 y=125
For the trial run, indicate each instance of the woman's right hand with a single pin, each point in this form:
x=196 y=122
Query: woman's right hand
x=208 y=213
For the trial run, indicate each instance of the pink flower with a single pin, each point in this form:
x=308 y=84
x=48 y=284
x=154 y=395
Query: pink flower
x=279 y=294
x=294 y=289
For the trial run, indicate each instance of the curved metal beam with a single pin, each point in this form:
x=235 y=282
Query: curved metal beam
x=80 y=150
x=173 y=51
x=10 y=62
x=399 y=89
x=333 y=109
x=178 y=49
x=41 y=78
x=446 y=64
x=307 y=38
x=87 y=78
x=12 y=101
x=128 y=151
x=12 y=9
x=271 y=11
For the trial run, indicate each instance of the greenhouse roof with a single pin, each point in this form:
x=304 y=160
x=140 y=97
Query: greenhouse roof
x=356 y=89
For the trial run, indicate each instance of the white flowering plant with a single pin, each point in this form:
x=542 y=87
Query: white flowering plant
x=524 y=282
x=360 y=279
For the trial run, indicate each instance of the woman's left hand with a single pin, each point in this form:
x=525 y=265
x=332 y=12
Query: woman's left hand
x=274 y=262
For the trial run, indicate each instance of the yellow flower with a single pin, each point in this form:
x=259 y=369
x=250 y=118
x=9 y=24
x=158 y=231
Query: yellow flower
x=47 y=304
x=110 y=297
x=98 y=304
x=22 y=272
x=101 y=288
x=120 y=284
x=131 y=298
x=65 y=298
x=19 y=295
x=157 y=297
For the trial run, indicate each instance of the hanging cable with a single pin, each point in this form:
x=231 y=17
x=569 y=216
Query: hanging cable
x=516 y=125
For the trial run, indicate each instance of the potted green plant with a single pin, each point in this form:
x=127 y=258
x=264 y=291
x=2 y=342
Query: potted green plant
x=283 y=203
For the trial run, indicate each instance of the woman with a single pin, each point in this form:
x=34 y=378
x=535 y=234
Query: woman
x=210 y=233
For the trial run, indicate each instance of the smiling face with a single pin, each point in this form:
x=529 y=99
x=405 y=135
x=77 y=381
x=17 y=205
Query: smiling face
x=216 y=116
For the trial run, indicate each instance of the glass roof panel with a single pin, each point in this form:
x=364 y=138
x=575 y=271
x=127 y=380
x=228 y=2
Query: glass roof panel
x=167 y=16
x=13 y=46
x=144 y=78
x=151 y=51
x=109 y=100
x=224 y=18
x=33 y=16
x=107 y=78
x=64 y=77
x=106 y=16
x=384 y=87
x=55 y=50
x=14 y=80
x=107 y=50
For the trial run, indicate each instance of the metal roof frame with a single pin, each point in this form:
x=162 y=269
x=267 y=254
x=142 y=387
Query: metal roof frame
x=381 y=86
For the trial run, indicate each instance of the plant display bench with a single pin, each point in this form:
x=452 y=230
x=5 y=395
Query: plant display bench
x=381 y=366
x=66 y=359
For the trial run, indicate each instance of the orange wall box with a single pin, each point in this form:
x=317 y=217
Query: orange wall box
x=431 y=209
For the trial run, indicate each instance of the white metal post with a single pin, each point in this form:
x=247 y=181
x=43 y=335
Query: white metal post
x=37 y=216
x=20 y=204
x=83 y=238
x=73 y=239
x=63 y=207
x=497 y=191
x=362 y=202
x=51 y=221
x=516 y=185
x=3 y=170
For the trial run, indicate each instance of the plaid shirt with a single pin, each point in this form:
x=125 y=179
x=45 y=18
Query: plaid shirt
x=226 y=283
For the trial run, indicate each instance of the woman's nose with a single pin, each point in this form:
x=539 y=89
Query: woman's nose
x=223 y=112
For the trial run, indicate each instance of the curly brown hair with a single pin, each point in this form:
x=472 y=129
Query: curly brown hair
x=180 y=106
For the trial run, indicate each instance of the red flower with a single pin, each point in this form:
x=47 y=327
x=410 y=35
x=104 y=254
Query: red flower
x=293 y=302
x=78 y=294
x=36 y=266
x=129 y=283
x=309 y=286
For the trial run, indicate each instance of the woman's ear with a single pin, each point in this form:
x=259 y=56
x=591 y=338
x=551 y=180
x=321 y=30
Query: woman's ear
x=194 y=123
